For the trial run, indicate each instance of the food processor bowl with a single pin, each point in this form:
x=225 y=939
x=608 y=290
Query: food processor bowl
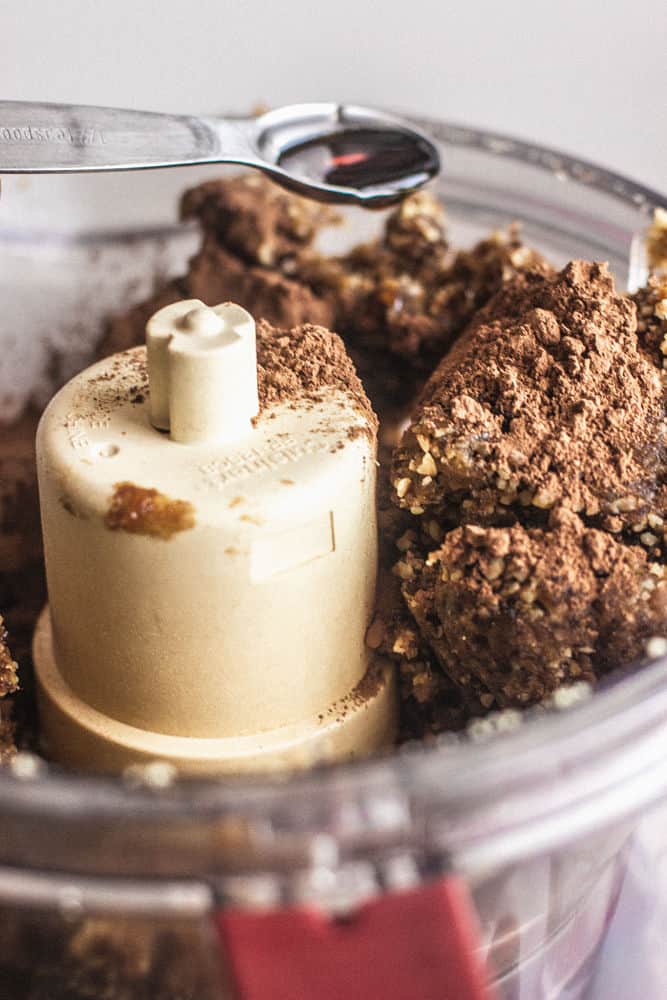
x=122 y=884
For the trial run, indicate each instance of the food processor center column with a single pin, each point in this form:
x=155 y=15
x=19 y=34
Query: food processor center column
x=211 y=568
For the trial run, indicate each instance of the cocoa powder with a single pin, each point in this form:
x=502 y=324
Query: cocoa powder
x=540 y=435
x=306 y=363
x=546 y=400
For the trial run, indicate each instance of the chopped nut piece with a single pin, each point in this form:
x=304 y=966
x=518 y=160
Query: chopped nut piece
x=656 y=241
x=624 y=505
x=434 y=530
x=544 y=500
x=494 y=569
x=405 y=541
x=427 y=466
x=656 y=647
x=404 y=570
x=402 y=486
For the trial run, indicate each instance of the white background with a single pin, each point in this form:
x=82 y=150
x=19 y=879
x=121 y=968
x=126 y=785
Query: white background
x=588 y=76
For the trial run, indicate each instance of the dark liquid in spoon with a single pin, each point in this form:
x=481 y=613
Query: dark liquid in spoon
x=364 y=158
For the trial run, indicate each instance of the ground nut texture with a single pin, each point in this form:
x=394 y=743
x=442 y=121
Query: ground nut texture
x=651 y=303
x=431 y=702
x=546 y=400
x=8 y=685
x=512 y=613
x=402 y=300
x=533 y=479
x=656 y=242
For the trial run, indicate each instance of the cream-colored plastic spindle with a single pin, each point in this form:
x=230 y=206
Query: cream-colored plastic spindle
x=202 y=370
x=210 y=587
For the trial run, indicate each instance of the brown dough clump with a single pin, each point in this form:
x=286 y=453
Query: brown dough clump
x=401 y=300
x=541 y=437
x=398 y=301
x=255 y=219
x=546 y=400
x=513 y=613
x=254 y=234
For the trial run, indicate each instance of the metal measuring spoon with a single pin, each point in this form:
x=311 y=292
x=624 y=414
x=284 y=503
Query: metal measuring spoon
x=332 y=152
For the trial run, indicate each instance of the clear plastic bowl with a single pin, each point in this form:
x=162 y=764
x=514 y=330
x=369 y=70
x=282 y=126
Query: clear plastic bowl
x=537 y=821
